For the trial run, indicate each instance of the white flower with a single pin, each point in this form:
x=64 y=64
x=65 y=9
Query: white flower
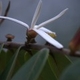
x=39 y=29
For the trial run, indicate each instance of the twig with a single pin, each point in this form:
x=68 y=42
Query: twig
x=63 y=51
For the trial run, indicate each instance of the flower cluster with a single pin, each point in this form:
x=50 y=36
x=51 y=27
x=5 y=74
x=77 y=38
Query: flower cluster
x=40 y=29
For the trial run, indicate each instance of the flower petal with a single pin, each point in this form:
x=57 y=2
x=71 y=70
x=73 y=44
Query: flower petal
x=52 y=19
x=48 y=38
x=52 y=34
x=15 y=20
x=45 y=29
x=36 y=14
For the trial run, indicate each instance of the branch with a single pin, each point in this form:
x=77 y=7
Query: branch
x=63 y=51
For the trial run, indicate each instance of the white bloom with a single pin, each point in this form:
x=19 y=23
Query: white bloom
x=39 y=29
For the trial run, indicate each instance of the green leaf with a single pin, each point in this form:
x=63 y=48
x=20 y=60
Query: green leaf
x=72 y=72
x=47 y=73
x=9 y=55
x=5 y=57
x=32 y=68
x=1 y=47
x=22 y=58
x=58 y=63
x=6 y=75
x=2 y=61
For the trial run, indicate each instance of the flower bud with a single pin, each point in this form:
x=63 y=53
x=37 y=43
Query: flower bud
x=52 y=35
x=75 y=42
x=9 y=37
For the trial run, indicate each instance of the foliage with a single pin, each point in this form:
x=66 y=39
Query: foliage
x=72 y=72
x=18 y=64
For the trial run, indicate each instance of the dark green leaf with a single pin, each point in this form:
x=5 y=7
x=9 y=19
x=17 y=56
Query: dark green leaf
x=47 y=73
x=32 y=69
x=22 y=58
x=1 y=47
x=72 y=72
x=6 y=75
x=2 y=61
x=58 y=63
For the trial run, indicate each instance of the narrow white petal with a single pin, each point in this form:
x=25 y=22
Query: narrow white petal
x=49 y=39
x=36 y=14
x=15 y=20
x=45 y=29
x=0 y=7
x=52 y=19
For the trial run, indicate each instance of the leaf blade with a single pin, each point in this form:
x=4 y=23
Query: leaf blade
x=72 y=72
x=31 y=69
x=1 y=47
x=6 y=75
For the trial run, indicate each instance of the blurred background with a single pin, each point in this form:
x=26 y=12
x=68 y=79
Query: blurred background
x=65 y=27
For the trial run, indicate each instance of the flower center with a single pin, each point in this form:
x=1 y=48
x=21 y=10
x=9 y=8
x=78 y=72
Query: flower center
x=31 y=33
